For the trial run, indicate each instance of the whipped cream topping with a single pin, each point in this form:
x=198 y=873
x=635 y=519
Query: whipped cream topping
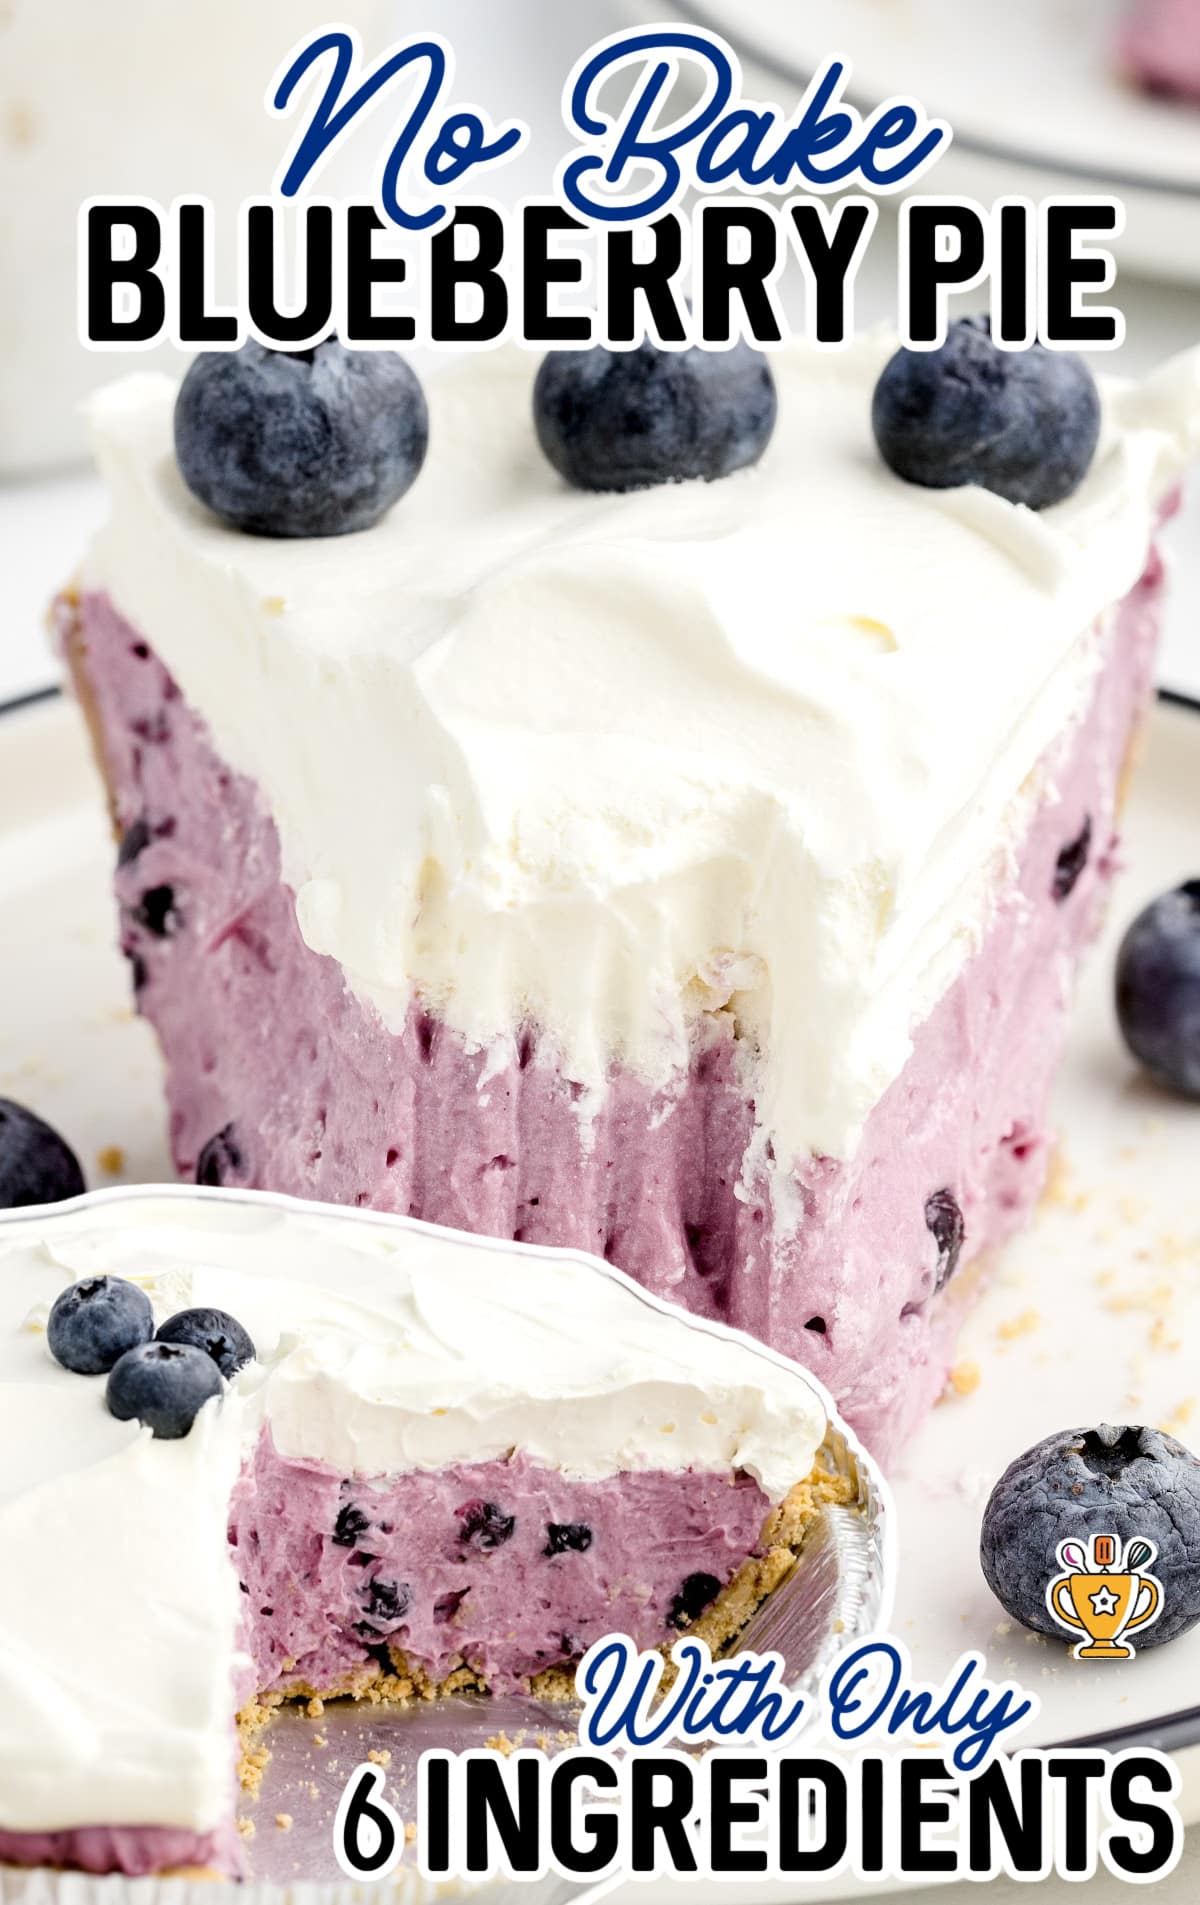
x=760 y=747
x=384 y=1345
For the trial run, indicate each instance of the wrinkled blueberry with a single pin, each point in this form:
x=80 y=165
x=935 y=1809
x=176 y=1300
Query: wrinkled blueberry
x=695 y=1594
x=36 y=1166
x=1158 y=989
x=484 y=1525
x=94 y=1322
x=300 y=443
x=1071 y=862
x=134 y=840
x=158 y=913
x=164 y=1386
x=1024 y=424
x=623 y=420
x=561 y=1535
x=217 y=1333
x=1127 y=1481
x=945 y=1220
x=350 y=1524
x=220 y=1160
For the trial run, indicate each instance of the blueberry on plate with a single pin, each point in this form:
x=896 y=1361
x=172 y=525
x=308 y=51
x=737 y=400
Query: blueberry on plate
x=94 y=1322
x=217 y=1333
x=300 y=443
x=1128 y=1481
x=623 y=420
x=36 y=1166
x=164 y=1386
x=1024 y=424
x=1158 y=989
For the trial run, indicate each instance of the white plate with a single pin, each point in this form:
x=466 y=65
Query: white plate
x=1094 y=1315
x=1030 y=87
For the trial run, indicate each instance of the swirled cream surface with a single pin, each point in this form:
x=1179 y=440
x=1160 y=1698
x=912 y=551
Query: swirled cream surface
x=383 y=1346
x=602 y=762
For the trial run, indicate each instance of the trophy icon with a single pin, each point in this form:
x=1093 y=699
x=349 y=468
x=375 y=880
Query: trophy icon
x=1102 y=1599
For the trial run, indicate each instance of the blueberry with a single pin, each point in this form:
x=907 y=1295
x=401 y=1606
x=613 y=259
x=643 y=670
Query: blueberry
x=484 y=1525
x=36 y=1167
x=164 y=1386
x=1158 y=989
x=388 y=1601
x=221 y=1158
x=350 y=1524
x=1125 y=1481
x=622 y=420
x=300 y=443
x=561 y=1535
x=217 y=1333
x=93 y=1323
x=134 y=840
x=695 y=1594
x=944 y=1220
x=1071 y=862
x=158 y=913
x=1022 y=423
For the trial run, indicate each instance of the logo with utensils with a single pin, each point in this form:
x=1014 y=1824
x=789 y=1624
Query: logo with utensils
x=1103 y=1599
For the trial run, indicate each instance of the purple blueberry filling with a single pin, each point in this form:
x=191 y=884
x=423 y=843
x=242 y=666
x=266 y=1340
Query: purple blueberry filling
x=453 y=1577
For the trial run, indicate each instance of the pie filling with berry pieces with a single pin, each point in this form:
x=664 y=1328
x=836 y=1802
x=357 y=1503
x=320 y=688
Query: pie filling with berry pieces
x=266 y=1452
x=652 y=803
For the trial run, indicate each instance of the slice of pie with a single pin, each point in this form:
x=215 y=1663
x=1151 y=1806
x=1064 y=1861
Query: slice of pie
x=449 y=1464
x=695 y=876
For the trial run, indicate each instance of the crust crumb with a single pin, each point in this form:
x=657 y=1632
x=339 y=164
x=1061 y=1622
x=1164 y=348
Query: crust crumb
x=964 y=1379
x=1058 y=1179
x=1022 y=1325
x=1180 y=1416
